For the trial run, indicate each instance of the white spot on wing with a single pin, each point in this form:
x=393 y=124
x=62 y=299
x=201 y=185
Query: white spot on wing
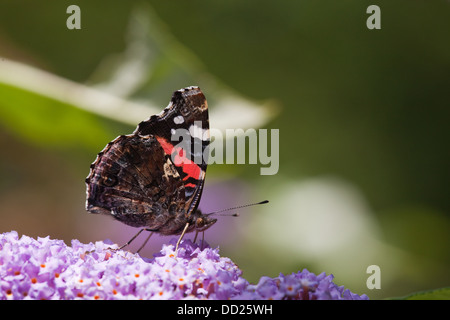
x=178 y=120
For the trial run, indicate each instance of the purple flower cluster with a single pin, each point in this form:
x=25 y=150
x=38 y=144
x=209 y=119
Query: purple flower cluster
x=302 y=285
x=49 y=269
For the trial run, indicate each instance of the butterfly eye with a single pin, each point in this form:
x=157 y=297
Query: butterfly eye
x=199 y=223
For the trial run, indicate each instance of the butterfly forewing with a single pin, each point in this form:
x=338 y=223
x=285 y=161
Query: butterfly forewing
x=186 y=117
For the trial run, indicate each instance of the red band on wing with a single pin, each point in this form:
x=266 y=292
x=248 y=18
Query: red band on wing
x=167 y=146
x=190 y=168
x=190 y=185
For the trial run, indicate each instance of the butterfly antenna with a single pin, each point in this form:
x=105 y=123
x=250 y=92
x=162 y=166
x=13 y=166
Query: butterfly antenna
x=239 y=207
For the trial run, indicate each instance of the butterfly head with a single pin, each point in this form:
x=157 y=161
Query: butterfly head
x=202 y=222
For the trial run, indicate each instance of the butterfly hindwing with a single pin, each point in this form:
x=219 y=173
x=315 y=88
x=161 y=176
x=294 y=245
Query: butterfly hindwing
x=133 y=180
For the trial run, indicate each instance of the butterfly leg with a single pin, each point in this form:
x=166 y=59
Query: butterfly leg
x=130 y=241
x=203 y=239
x=145 y=242
x=181 y=236
x=195 y=238
x=126 y=244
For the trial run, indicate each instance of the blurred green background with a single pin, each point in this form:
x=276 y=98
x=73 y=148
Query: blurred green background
x=363 y=118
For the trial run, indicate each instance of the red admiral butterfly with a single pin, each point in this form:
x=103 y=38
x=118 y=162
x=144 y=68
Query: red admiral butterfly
x=136 y=180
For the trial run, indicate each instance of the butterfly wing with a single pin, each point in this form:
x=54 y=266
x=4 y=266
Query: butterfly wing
x=133 y=180
x=147 y=180
x=185 y=116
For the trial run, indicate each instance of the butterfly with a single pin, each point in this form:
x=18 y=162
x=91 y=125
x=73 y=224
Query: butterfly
x=146 y=180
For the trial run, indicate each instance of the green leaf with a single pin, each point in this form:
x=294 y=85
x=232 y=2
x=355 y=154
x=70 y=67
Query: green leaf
x=45 y=122
x=437 y=294
x=49 y=111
